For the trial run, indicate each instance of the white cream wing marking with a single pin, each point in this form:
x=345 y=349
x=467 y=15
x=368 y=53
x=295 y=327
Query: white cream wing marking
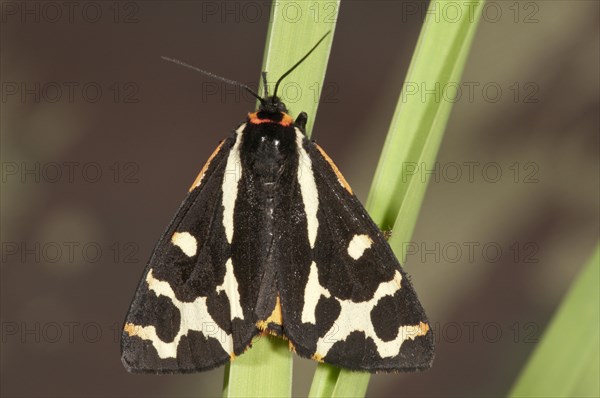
x=358 y=245
x=356 y=317
x=233 y=173
x=312 y=294
x=308 y=189
x=186 y=242
x=194 y=316
x=230 y=286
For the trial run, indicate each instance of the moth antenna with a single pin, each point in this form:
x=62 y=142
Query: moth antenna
x=264 y=76
x=298 y=63
x=213 y=76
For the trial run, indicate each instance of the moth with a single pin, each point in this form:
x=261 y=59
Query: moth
x=271 y=239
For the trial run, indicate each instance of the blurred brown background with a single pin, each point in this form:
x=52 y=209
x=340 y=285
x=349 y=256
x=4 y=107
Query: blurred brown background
x=101 y=139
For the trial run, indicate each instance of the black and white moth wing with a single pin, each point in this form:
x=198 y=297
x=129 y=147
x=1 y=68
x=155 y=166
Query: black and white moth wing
x=344 y=298
x=188 y=313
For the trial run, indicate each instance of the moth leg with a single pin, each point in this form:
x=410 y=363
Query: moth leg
x=387 y=234
x=301 y=120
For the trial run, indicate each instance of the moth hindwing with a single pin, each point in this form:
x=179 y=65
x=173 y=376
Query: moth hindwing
x=271 y=239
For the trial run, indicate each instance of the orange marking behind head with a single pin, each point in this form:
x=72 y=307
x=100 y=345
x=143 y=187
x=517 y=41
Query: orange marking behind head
x=198 y=179
x=285 y=121
x=337 y=172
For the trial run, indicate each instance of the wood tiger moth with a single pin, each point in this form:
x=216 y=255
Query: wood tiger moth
x=271 y=239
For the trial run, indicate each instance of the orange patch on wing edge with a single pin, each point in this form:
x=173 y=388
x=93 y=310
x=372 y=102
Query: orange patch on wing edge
x=131 y=329
x=275 y=317
x=200 y=175
x=337 y=172
x=291 y=346
x=423 y=328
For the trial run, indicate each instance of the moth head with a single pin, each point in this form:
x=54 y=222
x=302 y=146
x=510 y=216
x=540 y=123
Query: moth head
x=272 y=104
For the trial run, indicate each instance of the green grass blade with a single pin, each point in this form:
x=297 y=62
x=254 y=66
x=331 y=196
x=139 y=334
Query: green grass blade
x=414 y=137
x=324 y=381
x=351 y=384
x=420 y=119
x=295 y=27
x=265 y=370
x=566 y=361
x=331 y=381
